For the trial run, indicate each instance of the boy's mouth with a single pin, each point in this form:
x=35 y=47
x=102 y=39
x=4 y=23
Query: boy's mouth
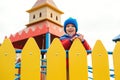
x=70 y=31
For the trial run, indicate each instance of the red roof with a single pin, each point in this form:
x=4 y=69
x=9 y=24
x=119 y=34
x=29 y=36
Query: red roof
x=35 y=31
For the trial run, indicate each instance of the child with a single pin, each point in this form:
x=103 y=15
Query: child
x=71 y=28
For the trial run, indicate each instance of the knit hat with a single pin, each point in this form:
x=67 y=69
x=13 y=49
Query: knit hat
x=71 y=21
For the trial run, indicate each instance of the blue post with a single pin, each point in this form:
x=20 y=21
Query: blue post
x=48 y=39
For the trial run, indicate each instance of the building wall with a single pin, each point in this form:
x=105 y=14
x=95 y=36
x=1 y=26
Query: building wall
x=45 y=13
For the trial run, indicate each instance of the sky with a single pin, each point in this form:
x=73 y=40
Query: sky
x=97 y=19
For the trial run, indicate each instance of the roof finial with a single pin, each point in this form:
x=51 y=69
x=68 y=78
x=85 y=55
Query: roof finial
x=5 y=37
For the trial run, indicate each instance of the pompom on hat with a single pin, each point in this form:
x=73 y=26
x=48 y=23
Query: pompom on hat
x=71 y=21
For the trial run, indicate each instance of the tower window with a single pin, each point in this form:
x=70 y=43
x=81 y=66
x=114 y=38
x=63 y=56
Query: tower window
x=56 y=18
x=33 y=16
x=40 y=14
x=51 y=15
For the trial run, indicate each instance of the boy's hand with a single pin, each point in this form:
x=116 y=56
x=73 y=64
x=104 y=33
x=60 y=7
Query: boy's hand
x=73 y=38
x=81 y=37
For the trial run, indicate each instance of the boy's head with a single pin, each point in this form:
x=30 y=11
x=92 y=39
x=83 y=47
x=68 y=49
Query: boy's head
x=71 y=21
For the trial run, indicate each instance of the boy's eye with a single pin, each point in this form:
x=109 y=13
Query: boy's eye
x=69 y=26
x=72 y=26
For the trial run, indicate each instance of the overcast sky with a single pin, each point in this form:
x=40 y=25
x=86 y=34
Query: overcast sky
x=97 y=19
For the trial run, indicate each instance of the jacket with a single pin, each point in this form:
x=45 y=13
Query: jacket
x=66 y=42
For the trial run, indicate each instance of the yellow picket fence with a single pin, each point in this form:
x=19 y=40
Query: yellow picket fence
x=56 y=62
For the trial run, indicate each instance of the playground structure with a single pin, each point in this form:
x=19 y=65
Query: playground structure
x=44 y=58
x=34 y=66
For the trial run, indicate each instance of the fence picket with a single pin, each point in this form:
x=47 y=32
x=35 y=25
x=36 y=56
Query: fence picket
x=56 y=61
x=30 y=61
x=116 y=61
x=78 y=62
x=7 y=61
x=100 y=62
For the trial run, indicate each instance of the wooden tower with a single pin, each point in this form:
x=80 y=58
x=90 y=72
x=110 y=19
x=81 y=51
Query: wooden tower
x=44 y=25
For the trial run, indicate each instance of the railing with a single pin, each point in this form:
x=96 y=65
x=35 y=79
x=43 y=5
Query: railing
x=52 y=65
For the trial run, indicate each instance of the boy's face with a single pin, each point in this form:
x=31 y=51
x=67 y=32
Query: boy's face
x=70 y=29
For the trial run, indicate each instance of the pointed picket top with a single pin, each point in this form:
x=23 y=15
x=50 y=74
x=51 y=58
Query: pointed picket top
x=30 y=61
x=100 y=62
x=116 y=60
x=78 y=69
x=56 y=61
x=7 y=61
x=7 y=42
